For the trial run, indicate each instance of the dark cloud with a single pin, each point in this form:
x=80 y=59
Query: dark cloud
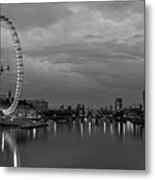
x=26 y=15
x=118 y=10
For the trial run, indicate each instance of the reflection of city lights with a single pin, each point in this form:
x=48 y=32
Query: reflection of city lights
x=131 y=128
x=111 y=129
x=81 y=129
x=7 y=138
x=15 y=159
x=55 y=128
x=34 y=133
x=128 y=123
x=104 y=127
x=2 y=147
x=85 y=119
x=119 y=128
x=89 y=128
x=124 y=129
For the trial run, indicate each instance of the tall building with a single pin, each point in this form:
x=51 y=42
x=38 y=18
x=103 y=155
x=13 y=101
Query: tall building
x=80 y=110
x=118 y=104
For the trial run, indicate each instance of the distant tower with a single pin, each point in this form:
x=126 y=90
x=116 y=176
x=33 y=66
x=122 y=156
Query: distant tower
x=10 y=97
x=118 y=104
x=80 y=109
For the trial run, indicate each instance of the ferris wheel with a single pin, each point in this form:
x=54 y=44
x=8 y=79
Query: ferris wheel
x=10 y=62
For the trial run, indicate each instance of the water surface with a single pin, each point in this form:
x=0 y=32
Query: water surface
x=75 y=145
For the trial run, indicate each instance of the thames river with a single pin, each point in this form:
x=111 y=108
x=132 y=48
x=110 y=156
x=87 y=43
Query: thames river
x=75 y=145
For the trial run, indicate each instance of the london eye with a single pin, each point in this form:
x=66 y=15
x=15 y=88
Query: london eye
x=11 y=66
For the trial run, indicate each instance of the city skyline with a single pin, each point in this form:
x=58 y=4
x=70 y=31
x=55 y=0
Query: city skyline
x=86 y=52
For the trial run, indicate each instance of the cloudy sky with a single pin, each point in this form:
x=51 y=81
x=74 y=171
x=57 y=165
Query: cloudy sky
x=87 y=52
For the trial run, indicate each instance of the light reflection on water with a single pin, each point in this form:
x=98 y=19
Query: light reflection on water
x=75 y=145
